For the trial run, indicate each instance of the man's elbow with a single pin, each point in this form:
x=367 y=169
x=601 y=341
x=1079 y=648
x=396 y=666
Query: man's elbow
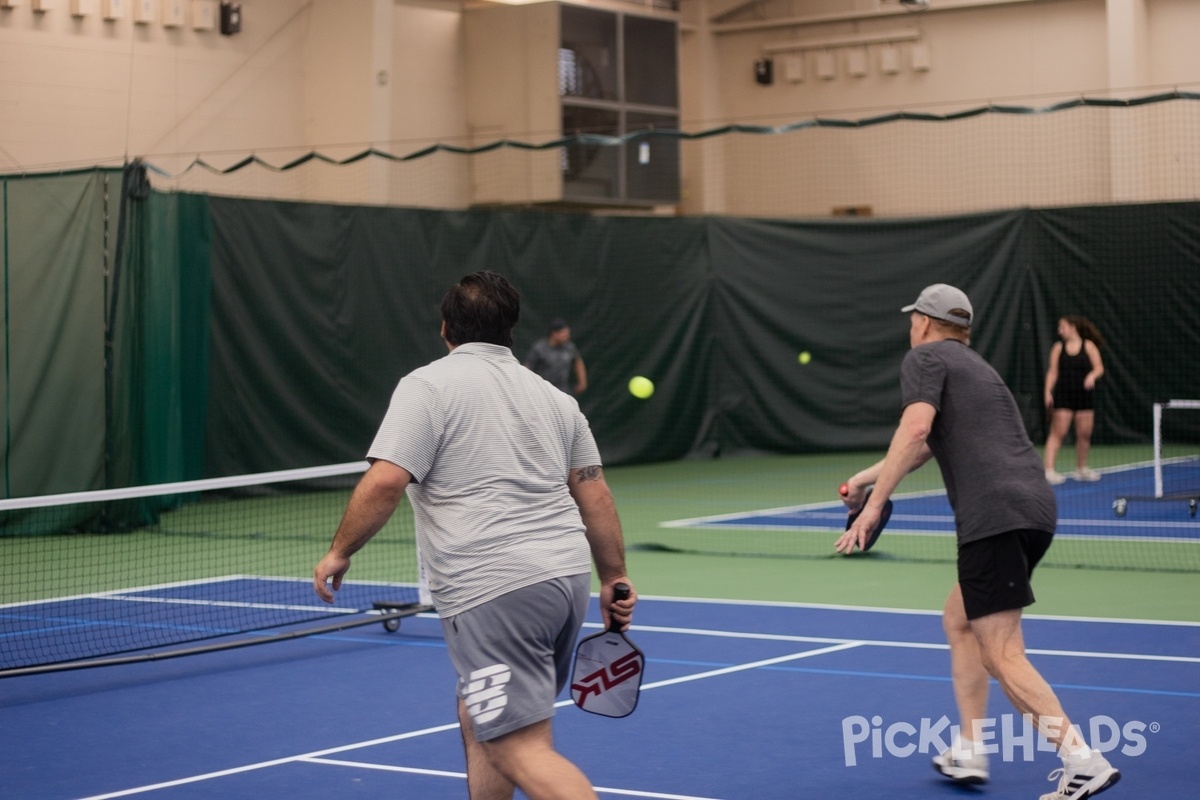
x=917 y=432
x=388 y=480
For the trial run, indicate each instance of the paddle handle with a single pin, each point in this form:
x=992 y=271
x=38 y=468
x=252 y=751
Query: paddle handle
x=620 y=592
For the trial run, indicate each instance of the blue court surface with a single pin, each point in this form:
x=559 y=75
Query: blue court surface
x=740 y=700
x=1085 y=509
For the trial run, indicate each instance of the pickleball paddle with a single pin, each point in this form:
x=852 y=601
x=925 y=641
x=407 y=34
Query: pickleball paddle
x=606 y=677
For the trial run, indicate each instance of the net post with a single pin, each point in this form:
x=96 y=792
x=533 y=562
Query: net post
x=1158 y=475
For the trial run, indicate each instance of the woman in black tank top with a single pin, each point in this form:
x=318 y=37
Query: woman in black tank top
x=1075 y=366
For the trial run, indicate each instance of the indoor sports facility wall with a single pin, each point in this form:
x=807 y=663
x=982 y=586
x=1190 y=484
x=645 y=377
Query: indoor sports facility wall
x=936 y=160
x=247 y=335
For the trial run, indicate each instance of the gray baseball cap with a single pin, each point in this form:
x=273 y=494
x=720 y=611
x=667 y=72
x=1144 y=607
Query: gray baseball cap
x=939 y=300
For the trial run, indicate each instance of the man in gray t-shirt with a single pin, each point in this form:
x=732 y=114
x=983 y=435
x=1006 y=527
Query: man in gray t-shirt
x=993 y=475
x=556 y=357
x=958 y=410
x=510 y=500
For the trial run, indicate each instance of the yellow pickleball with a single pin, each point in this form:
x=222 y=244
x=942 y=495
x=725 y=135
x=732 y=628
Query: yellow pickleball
x=805 y=357
x=640 y=387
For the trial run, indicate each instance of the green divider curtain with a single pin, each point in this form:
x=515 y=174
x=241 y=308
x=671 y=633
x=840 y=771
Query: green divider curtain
x=318 y=310
x=257 y=335
x=55 y=268
x=160 y=342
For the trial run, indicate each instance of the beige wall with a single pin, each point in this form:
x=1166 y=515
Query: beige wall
x=340 y=76
x=82 y=91
x=980 y=50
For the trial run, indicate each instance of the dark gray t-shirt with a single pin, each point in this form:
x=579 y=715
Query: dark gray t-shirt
x=994 y=477
x=553 y=363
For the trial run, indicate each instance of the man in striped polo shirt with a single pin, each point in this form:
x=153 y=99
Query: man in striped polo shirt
x=510 y=502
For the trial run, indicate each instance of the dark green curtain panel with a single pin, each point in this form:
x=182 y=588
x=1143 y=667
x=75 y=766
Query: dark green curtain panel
x=318 y=310
x=161 y=314
x=54 y=303
x=1135 y=272
x=833 y=291
x=251 y=335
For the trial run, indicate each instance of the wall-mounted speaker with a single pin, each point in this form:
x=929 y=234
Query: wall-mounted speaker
x=764 y=71
x=231 y=18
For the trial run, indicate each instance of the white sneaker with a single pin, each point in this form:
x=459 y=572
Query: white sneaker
x=1079 y=781
x=1086 y=474
x=1054 y=478
x=971 y=771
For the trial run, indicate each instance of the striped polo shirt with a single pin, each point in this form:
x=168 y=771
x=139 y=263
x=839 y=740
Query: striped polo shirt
x=490 y=446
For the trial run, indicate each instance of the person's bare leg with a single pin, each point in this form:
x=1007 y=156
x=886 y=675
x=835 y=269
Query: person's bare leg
x=1002 y=648
x=969 y=676
x=527 y=758
x=484 y=781
x=1060 y=423
x=1085 y=421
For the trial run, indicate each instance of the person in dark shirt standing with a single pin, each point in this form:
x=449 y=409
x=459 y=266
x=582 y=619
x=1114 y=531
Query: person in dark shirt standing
x=556 y=357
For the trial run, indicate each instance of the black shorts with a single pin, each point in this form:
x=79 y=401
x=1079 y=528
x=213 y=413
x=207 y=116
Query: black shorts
x=994 y=573
x=1068 y=399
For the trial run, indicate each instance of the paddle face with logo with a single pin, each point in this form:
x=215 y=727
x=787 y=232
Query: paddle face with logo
x=606 y=677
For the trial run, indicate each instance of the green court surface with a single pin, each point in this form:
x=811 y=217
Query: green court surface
x=661 y=562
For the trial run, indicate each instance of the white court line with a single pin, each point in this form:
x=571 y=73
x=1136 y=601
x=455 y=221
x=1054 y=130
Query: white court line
x=444 y=774
x=754 y=665
x=180 y=601
x=813 y=523
x=821 y=506
x=712 y=673
x=335 y=762
x=781 y=637
x=888 y=610
x=272 y=763
x=121 y=594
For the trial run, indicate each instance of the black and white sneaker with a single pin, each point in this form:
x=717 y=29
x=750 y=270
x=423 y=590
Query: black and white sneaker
x=972 y=770
x=1075 y=782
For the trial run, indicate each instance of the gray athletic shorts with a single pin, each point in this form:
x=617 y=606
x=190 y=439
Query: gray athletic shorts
x=513 y=654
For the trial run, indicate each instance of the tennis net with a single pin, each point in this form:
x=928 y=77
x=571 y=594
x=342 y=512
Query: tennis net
x=741 y=515
x=1171 y=483
x=93 y=575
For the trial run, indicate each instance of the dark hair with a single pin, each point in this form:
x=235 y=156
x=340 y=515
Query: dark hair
x=557 y=325
x=481 y=307
x=1086 y=329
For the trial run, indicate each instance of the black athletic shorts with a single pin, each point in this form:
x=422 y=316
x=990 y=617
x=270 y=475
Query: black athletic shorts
x=1079 y=399
x=994 y=573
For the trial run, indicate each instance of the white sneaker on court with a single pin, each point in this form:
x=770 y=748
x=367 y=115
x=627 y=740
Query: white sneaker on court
x=1054 y=478
x=1086 y=474
x=972 y=770
x=1077 y=781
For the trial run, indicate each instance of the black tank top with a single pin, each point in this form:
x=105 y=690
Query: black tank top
x=1072 y=369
